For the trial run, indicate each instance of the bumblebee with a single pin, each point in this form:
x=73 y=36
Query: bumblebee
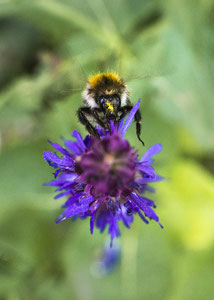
x=106 y=98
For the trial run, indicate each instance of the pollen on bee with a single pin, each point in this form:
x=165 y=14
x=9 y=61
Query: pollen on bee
x=110 y=106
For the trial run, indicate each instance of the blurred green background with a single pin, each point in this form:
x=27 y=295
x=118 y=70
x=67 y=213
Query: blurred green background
x=164 y=50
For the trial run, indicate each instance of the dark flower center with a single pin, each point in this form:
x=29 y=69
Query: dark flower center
x=109 y=166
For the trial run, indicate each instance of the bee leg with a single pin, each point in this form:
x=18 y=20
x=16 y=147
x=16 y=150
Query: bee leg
x=100 y=121
x=95 y=112
x=124 y=110
x=138 y=126
x=137 y=117
x=82 y=113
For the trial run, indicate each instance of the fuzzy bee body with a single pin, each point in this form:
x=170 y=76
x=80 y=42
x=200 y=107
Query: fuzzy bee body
x=106 y=98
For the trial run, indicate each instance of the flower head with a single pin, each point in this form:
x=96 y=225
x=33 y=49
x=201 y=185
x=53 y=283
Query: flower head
x=108 y=167
x=103 y=179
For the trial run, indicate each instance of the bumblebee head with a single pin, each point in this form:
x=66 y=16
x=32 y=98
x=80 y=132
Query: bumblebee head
x=107 y=92
x=110 y=105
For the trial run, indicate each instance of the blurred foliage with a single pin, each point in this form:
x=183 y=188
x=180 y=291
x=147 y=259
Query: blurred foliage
x=164 y=51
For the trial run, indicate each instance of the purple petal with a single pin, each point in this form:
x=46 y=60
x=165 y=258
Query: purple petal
x=60 y=148
x=73 y=147
x=100 y=131
x=149 y=213
x=148 y=202
x=92 y=222
x=112 y=126
x=86 y=200
x=79 y=139
x=134 y=207
x=57 y=173
x=113 y=230
x=73 y=199
x=146 y=169
x=52 y=183
x=87 y=141
x=72 y=211
x=75 y=209
x=62 y=195
x=60 y=162
x=149 y=179
x=66 y=186
x=67 y=177
x=102 y=219
x=62 y=180
x=130 y=118
x=142 y=217
x=121 y=124
x=155 y=149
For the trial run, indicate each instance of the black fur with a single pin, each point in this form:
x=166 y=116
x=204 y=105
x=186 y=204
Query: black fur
x=97 y=115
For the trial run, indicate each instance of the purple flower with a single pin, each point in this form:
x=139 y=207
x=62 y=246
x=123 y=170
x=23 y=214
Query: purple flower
x=107 y=261
x=103 y=179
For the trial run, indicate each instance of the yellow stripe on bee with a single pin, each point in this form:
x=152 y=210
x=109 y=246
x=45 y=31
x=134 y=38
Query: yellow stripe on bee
x=95 y=79
x=110 y=106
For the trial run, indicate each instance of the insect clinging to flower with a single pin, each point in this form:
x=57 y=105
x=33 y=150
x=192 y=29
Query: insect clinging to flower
x=106 y=98
x=101 y=174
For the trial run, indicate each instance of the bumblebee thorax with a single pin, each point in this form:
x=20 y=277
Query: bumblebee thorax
x=104 y=78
